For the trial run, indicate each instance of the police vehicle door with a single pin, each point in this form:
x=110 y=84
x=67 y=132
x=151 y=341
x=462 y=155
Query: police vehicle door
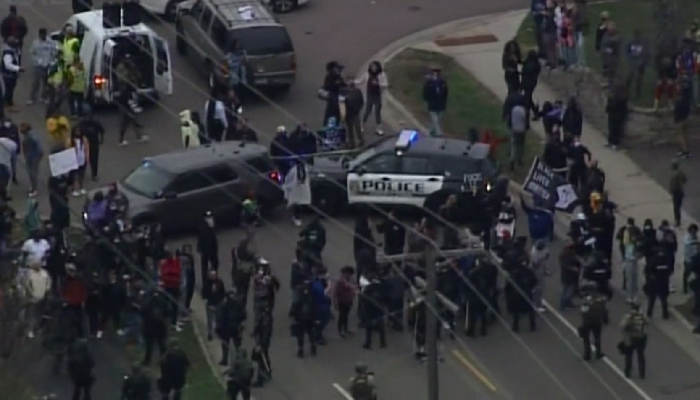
x=419 y=177
x=372 y=182
x=103 y=81
x=162 y=65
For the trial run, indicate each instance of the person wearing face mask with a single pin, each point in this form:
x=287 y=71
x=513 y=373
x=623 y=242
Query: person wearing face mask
x=229 y=324
x=207 y=245
x=265 y=285
x=649 y=239
x=580 y=158
x=668 y=242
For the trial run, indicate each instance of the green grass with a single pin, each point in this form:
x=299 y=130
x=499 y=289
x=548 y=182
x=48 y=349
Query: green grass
x=201 y=382
x=470 y=104
x=628 y=16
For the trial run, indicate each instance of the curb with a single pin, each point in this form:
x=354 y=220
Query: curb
x=393 y=49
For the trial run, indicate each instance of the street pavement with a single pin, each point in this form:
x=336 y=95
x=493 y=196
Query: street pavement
x=499 y=366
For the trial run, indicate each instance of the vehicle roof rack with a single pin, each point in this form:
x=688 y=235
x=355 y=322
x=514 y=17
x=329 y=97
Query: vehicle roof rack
x=242 y=11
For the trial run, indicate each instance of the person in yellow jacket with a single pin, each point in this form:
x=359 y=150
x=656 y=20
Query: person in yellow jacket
x=58 y=128
x=77 y=83
x=70 y=46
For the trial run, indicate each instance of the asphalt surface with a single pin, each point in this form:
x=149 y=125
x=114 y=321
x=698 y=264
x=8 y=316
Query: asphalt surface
x=522 y=367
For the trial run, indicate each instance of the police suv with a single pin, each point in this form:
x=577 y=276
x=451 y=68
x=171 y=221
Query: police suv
x=411 y=169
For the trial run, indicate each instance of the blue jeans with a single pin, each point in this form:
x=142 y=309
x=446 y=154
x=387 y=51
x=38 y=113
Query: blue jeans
x=580 y=50
x=435 y=117
x=570 y=55
x=132 y=328
x=566 y=294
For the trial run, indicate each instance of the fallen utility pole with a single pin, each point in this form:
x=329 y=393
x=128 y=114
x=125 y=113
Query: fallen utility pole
x=431 y=255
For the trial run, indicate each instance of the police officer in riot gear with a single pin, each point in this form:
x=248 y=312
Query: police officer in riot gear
x=477 y=295
x=597 y=268
x=519 y=291
x=633 y=327
x=265 y=285
x=594 y=314
x=239 y=376
x=304 y=313
x=155 y=327
x=373 y=301
x=136 y=385
x=245 y=261
x=173 y=371
x=80 y=365
x=207 y=245
x=262 y=334
x=313 y=241
x=362 y=386
x=229 y=324
x=658 y=274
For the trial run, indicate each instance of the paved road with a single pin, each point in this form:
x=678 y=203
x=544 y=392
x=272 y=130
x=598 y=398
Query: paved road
x=352 y=32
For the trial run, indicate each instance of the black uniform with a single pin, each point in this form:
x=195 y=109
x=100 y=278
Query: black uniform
x=240 y=376
x=94 y=132
x=478 y=291
x=634 y=329
x=373 y=303
x=155 y=329
x=594 y=315
x=229 y=324
x=136 y=386
x=173 y=373
x=187 y=261
x=658 y=274
x=313 y=241
x=245 y=261
x=304 y=313
x=394 y=236
x=61 y=334
x=80 y=365
x=518 y=293
x=208 y=249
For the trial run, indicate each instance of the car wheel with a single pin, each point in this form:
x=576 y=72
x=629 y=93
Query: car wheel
x=326 y=202
x=283 y=6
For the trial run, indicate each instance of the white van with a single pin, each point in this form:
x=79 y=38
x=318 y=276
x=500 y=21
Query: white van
x=101 y=50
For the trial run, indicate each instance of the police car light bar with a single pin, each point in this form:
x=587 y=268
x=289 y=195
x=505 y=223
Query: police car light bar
x=406 y=137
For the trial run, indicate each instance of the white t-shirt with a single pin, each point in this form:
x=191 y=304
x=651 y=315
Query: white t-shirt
x=36 y=250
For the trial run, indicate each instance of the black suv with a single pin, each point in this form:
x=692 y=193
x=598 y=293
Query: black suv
x=176 y=189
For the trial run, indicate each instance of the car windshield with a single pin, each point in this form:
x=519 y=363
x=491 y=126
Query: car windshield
x=365 y=154
x=147 y=180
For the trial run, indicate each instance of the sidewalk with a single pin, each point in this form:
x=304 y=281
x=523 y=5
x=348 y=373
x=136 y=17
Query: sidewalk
x=636 y=194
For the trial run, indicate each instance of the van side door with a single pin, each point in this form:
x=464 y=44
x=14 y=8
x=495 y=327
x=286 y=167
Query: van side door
x=104 y=83
x=162 y=66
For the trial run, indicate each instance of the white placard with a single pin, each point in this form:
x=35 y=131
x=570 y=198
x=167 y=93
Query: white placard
x=63 y=162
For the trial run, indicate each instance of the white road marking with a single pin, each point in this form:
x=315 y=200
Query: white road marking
x=344 y=392
x=607 y=361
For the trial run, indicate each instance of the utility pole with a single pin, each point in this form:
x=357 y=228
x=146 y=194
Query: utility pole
x=431 y=321
x=432 y=297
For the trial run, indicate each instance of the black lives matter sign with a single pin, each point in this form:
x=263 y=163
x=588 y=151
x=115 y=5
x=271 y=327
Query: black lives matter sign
x=553 y=189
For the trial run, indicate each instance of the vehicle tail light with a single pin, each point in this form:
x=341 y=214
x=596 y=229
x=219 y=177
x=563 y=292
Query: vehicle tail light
x=293 y=63
x=99 y=81
x=276 y=176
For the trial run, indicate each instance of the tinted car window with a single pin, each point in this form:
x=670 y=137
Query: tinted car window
x=218 y=33
x=206 y=19
x=418 y=166
x=190 y=182
x=260 y=164
x=220 y=174
x=147 y=180
x=382 y=164
x=161 y=54
x=263 y=40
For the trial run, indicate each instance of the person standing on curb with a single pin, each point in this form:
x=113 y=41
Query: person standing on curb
x=376 y=81
x=43 y=51
x=677 y=190
x=435 y=95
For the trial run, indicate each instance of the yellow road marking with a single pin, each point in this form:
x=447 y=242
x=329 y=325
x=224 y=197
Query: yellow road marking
x=474 y=370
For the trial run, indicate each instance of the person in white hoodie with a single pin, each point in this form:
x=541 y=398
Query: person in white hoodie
x=38 y=286
x=297 y=191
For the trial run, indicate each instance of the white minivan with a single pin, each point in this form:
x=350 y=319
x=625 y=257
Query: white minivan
x=101 y=50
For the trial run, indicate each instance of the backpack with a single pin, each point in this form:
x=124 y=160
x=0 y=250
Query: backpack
x=361 y=389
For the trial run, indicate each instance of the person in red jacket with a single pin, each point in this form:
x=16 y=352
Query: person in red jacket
x=74 y=293
x=170 y=275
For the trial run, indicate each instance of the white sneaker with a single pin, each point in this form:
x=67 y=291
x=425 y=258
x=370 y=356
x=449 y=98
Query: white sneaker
x=379 y=132
x=123 y=143
x=83 y=191
x=541 y=309
x=178 y=328
x=30 y=334
x=99 y=334
x=76 y=193
x=144 y=139
x=297 y=222
x=120 y=332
